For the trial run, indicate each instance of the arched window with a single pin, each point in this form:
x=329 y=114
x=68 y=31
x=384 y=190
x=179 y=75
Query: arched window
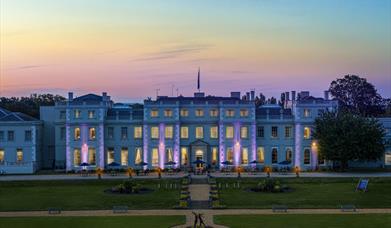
x=77 y=133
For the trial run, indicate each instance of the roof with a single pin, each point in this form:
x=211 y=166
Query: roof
x=16 y=117
x=3 y=112
x=89 y=97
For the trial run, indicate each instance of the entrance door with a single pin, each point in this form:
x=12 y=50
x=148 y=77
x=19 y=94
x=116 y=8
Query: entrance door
x=199 y=155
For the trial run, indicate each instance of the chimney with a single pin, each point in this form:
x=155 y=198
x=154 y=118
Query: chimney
x=104 y=96
x=248 y=96
x=235 y=95
x=326 y=95
x=252 y=95
x=287 y=96
x=293 y=95
x=70 y=96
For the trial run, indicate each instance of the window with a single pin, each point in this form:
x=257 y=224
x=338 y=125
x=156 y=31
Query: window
x=2 y=155
x=11 y=136
x=155 y=157
x=168 y=132
x=169 y=155
x=92 y=133
x=77 y=133
x=230 y=154
x=274 y=131
x=154 y=113
x=229 y=132
x=124 y=132
x=91 y=114
x=387 y=158
x=184 y=132
x=168 y=113
x=110 y=155
x=138 y=155
x=199 y=112
x=27 y=136
x=62 y=133
x=213 y=112
x=154 y=132
x=307 y=156
x=244 y=155
x=62 y=115
x=184 y=156
x=91 y=156
x=77 y=113
x=1 y=136
x=76 y=157
x=110 y=132
x=214 y=155
x=260 y=132
x=214 y=132
x=244 y=112
x=274 y=156
x=288 y=131
x=199 y=132
x=184 y=112
x=230 y=113
x=307 y=132
x=124 y=156
x=307 y=112
x=19 y=155
x=138 y=132
x=261 y=154
x=288 y=154
x=244 y=132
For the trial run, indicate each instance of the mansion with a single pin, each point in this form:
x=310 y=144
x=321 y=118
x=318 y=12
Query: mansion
x=178 y=132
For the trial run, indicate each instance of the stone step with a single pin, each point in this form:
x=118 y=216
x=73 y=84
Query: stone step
x=199 y=181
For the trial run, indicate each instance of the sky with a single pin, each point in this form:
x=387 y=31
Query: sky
x=130 y=49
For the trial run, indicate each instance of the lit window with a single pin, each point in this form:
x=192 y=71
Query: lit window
x=274 y=131
x=19 y=155
x=2 y=155
x=230 y=113
x=124 y=156
x=77 y=113
x=229 y=132
x=110 y=155
x=213 y=112
x=154 y=113
x=387 y=158
x=169 y=155
x=288 y=155
x=92 y=133
x=199 y=132
x=244 y=112
x=91 y=114
x=214 y=132
x=155 y=157
x=168 y=113
x=154 y=132
x=138 y=155
x=260 y=132
x=244 y=155
x=138 y=132
x=307 y=156
x=124 y=132
x=110 y=132
x=199 y=112
x=91 y=156
x=77 y=133
x=244 y=132
x=230 y=154
x=307 y=112
x=168 y=132
x=76 y=157
x=261 y=154
x=27 y=136
x=307 y=132
x=288 y=131
x=274 y=156
x=214 y=155
x=184 y=132
x=184 y=112
x=184 y=156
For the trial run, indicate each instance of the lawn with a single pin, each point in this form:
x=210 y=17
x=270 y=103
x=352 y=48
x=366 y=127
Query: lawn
x=299 y=221
x=96 y=222
x=310 y=193
x=81 y=195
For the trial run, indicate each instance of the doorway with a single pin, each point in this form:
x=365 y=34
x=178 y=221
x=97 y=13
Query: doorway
x=199 y=155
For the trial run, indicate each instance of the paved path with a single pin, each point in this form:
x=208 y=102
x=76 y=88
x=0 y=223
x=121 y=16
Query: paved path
x=199 y=192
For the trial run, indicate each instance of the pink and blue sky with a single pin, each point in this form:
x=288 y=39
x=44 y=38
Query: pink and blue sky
x=131 y=48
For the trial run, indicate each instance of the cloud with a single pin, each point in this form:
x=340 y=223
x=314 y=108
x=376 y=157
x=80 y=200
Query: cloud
x=26 y=67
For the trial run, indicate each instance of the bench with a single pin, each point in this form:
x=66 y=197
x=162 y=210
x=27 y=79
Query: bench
x=348 y=208
x=120 y=209
x=53 y=211
x=280 y=208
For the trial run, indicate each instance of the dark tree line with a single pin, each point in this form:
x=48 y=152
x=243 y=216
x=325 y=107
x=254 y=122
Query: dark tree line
x=29 y=105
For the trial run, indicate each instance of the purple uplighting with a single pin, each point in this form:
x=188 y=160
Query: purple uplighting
x=162 y=145
x=237 y=145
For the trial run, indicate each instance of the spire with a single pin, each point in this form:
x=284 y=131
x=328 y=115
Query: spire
x=198 y=81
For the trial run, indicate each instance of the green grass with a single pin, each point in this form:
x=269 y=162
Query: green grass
x=96 y=222
x=310 y=193
x=80 y=195
x=299 y=221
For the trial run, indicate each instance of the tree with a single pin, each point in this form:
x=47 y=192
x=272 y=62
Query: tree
x=343 y=137
x=356 y=95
